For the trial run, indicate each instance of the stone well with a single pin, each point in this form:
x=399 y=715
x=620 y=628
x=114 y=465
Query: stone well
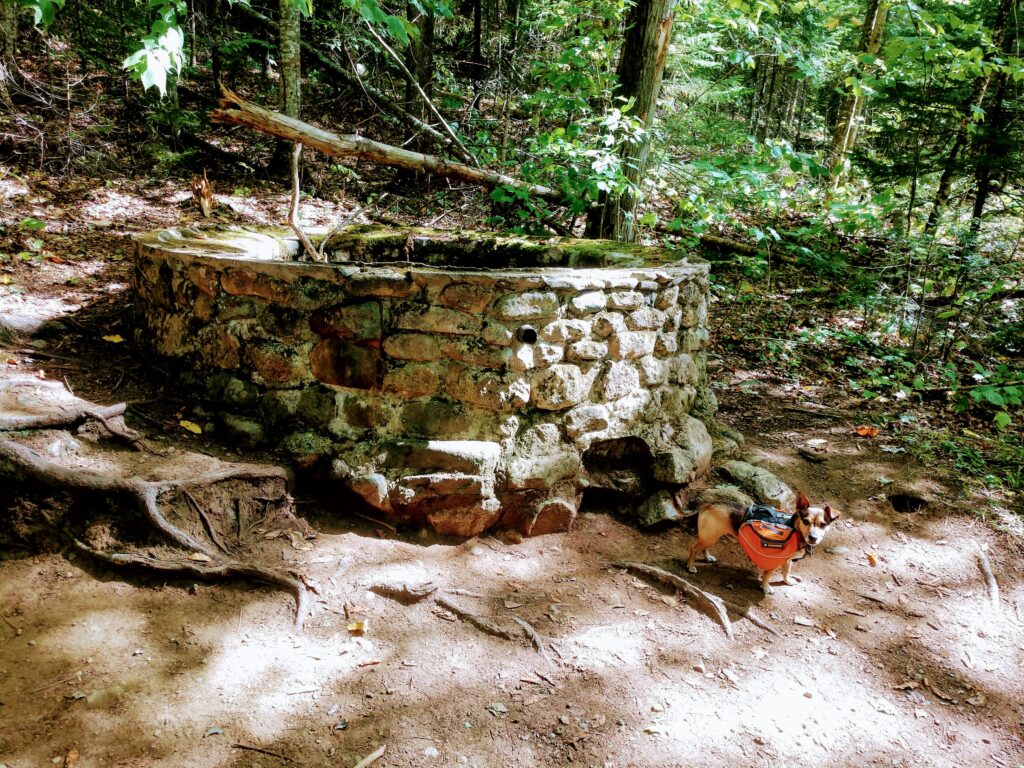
x=461 y=380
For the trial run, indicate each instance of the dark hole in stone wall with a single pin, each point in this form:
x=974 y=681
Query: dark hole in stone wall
x=622 y=465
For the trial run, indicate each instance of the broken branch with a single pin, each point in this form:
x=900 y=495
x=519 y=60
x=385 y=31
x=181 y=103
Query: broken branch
x=234 y=110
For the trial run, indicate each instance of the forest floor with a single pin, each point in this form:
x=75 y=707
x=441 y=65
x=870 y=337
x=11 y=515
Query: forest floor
x=890 y=651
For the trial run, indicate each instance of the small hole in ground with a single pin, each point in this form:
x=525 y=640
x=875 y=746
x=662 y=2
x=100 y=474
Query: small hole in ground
x=906 y=503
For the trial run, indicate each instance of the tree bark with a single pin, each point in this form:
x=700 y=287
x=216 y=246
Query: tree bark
x=962 y=139
x=290 y=66
x=419 y=60
x=641 y=66
x=845 y=134
x=238 y=111
x=8 y=47
x=994 y=147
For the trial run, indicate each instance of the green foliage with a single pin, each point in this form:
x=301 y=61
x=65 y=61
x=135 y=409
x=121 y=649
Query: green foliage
x=43 y=10
x=162 y=51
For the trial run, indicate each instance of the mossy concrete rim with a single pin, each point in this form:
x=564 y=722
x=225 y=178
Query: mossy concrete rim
x=275 y=251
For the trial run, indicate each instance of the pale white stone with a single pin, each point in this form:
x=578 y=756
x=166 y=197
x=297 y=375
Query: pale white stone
x=652 y=371
x=669 y=297
x=590 y=302
x=627 y=300
x=588 y=349
x=558 y=387
x=522 y=358
x=607 y=323
x=667 y=344
x=545 y=355
x=630 y=345
x=586 y=418
x=620 y=379
x=524 y=306
x=561 y=331
x=645 y=319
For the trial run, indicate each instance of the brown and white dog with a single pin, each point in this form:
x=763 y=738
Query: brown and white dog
x=719 y=518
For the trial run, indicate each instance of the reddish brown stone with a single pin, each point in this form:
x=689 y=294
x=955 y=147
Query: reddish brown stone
x=466 y=297
x=276 y=363
x=465 y=521
x=355 y=322
x=555 y=516
x=240 y=282
x=206 y=279
x=219 y=348
x=384 y=286
x=345 y=365
x=204 y=307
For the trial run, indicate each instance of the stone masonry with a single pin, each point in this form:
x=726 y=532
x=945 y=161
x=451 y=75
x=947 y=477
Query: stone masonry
x=487 y=393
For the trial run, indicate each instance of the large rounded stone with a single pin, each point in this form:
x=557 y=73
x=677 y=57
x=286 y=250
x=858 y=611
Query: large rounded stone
x=765 y=487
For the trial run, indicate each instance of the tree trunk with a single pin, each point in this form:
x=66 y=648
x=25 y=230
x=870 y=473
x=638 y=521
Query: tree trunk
x=215 y=23
x=290 y=66
x=845 y=133
x=994 y=148
x=8 y=47
x=641 y=66
x=419 y=60
x=962 y=139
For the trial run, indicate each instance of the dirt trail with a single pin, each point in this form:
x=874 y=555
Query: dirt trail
x=634 y=675
x=900 y=663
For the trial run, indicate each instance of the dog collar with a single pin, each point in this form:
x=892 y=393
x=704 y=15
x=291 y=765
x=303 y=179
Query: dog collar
x=807 y=548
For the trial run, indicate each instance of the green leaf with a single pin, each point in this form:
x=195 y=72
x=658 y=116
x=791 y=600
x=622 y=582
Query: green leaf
x=31 y=224
x=398 y=28
x=1002 y=420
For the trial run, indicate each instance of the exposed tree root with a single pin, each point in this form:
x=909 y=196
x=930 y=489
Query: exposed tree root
x=405 y=593
x=990 y=578
x=167 y=504
x=484 y=625
x=712 y=605
x=207 y=571
x=533 y=636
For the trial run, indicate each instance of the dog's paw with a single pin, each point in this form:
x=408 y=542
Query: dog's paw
x=768 y=589
x=691 y=568
x=708 y=558
x=792 y=581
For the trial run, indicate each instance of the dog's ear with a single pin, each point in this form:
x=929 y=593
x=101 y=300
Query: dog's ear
x=802 y=502
x=830 y=515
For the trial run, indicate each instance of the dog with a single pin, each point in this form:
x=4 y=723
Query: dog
x=718 y=519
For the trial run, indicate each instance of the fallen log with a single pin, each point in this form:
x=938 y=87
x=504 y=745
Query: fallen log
x=234 y=110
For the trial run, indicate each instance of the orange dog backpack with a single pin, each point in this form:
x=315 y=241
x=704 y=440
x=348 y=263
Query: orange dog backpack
x=768 y=536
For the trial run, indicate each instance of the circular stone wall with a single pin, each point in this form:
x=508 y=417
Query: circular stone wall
x=486 y=393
